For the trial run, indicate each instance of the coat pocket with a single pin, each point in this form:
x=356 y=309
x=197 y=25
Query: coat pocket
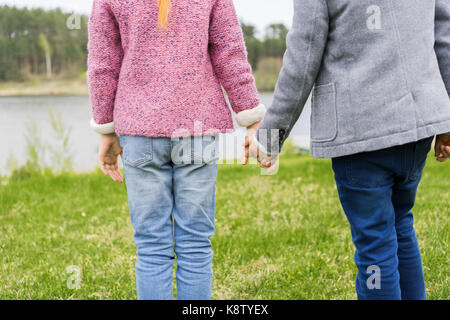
x=324 y=113
x=136 y=150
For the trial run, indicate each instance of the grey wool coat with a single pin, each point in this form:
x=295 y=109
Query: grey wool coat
x=378 y=71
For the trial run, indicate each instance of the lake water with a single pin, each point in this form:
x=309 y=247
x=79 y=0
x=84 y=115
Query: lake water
x=16 y=112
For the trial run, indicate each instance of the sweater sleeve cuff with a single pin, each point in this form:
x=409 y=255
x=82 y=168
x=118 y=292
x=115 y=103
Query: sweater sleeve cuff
x=106 y=128
x=248 y=117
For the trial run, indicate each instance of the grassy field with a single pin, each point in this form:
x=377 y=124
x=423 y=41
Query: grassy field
x=278 y=237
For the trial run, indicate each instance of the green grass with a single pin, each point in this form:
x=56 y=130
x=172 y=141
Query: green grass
x=278 y=237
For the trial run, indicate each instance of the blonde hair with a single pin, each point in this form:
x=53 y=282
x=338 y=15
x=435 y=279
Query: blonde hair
x=164 y=7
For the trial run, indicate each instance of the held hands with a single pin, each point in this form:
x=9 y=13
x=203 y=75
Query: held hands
x=109 y=151
x=251 y=150
x=442 y=147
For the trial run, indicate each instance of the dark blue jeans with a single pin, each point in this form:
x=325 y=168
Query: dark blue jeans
x=377 y=191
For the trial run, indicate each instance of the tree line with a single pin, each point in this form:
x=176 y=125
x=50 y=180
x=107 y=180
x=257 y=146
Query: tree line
x=272 y=45
x=38 y=43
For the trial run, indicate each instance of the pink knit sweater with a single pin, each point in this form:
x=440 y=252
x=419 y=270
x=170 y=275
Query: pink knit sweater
x=158 y=82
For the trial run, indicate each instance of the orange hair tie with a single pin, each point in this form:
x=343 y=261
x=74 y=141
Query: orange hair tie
x=164 y=7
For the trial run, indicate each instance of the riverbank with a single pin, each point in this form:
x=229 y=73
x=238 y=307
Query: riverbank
x=44 y=87
x=78 y=87
x=265 y=77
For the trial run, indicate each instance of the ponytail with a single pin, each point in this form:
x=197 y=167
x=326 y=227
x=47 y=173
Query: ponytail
x=164 y=7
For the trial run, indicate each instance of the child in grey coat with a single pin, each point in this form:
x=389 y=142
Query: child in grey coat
x=379 y=73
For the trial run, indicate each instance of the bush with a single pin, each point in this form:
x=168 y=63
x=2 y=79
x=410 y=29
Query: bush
x=266 y=76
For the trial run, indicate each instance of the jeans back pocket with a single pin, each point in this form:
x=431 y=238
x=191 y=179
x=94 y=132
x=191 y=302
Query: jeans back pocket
x=137 y=150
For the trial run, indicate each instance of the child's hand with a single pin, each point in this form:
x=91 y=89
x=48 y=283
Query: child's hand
x=267 y=162
x=109 y=152
x=442 y=147
x=251 y=150
x=248 y=143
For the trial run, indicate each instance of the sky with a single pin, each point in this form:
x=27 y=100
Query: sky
x=258 y=12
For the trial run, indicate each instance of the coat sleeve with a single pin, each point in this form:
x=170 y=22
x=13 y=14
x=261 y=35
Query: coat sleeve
x=442 y=36
x=306 y=42
x=104 y=63
x=229 y=59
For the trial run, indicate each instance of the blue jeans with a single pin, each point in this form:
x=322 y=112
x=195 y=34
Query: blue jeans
x=377 y=191
x=171 y=195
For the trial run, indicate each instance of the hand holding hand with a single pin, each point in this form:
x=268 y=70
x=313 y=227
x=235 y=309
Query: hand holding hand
x=266 y=161
x=249 y=147
x=442 y=147
x=109 y=152
x=251 y=150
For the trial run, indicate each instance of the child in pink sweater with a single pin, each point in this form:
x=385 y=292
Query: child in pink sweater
x=156 y=70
